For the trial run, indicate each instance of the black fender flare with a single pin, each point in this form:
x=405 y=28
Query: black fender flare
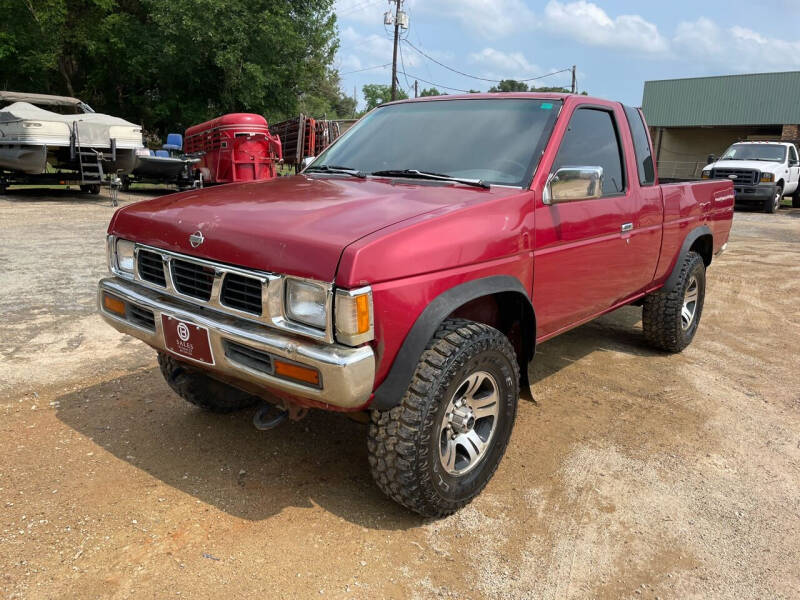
x=690 y=239
x=390 y=392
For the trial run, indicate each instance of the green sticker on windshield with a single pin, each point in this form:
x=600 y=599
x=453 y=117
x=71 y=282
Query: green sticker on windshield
x=546 y=106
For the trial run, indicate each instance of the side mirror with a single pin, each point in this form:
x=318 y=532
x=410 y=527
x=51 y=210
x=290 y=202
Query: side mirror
x=569 y=184
x=711 y=158
x=307 y=161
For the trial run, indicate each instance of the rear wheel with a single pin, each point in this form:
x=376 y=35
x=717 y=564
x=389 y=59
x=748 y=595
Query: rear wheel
x=201 y=390
x=91 y=188
x=796 y=197
x=774 y=203
x=436 y=450
x=670 y=316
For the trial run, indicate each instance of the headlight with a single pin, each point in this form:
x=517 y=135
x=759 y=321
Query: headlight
x=767 y=178
x=354 y=322
x=306 y=303
x=124 y=253
x=706 y=174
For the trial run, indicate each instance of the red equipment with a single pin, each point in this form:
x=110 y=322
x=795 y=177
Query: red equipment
x=234 y=148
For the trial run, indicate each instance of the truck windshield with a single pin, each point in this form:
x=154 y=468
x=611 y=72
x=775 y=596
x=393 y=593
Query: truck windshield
x=768 y=152
x=498 y=141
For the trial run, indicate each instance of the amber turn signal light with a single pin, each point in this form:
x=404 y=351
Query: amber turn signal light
x=362 y=312
x=114 y=305
x=297 y=372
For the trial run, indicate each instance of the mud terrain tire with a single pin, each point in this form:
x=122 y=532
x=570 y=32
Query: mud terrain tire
x=665 y=311
x=406 y=442
x=201 y=390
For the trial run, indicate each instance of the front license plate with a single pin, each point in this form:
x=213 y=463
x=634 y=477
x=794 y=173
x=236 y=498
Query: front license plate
x=187 y=339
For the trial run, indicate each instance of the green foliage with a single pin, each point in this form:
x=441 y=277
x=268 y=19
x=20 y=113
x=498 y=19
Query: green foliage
x=324 y=98
x=431 y=92
x=171 y=63
x=376 y=94
x=510 y=85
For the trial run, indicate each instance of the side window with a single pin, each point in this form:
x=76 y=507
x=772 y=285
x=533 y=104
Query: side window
x=792 y=153
x=591 y=140
x=641 y=146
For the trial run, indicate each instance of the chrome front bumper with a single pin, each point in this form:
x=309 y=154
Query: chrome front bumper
x=346 y=374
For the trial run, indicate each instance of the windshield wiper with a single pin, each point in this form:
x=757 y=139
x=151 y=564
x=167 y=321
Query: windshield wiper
x=429 y=175
x=336 y=169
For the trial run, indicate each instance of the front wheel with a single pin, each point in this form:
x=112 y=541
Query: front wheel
x=774 y=203
x=201 y=390
x=436 y=450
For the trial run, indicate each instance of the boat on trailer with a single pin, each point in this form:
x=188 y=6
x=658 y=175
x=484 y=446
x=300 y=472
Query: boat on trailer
x=72 y=137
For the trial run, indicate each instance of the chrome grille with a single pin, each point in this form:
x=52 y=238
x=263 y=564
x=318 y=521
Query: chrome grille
x=257 y=296
x=743 y=176
x=192 y=279
x=241 y=293
x=151 y=268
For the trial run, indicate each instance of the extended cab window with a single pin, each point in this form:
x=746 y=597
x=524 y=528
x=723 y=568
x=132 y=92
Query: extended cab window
x=592 y=141
x=792 y=154
x=641 y=147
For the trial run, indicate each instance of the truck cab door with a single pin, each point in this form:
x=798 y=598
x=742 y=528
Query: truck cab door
x=583 y=258
x=794 y=170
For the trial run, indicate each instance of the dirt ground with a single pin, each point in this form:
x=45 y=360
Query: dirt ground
x=632 y=474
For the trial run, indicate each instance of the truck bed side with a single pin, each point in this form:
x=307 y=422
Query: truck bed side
x=689 y=206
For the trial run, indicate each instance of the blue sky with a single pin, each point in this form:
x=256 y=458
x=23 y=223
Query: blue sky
x=616 y=45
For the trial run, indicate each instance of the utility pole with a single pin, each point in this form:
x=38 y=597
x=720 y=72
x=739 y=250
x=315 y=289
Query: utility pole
x=394 y=54
x=416 y=89
x=574 y=82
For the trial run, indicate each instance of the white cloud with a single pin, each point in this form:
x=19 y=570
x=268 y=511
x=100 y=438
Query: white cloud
x=591 y=25
x=361 y=11
x=491 y=19
x=360 y=51
x=497 y=64
x=734 y=49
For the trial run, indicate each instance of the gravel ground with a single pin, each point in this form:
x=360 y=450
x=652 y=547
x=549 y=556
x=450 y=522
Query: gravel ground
x=631 y=474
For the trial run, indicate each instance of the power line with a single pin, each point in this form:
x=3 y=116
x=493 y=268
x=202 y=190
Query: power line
x=366 y=69
x=437 y=85
x=403 y=65
x=441 y=64
x=358 y=7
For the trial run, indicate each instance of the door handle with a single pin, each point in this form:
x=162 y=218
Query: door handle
x=627 y=227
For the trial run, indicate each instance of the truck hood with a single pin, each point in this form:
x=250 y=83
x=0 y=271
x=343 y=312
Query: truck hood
x=758 y=165
x=295 y=225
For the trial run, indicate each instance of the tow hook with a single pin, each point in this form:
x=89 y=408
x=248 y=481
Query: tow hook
x=269 y=417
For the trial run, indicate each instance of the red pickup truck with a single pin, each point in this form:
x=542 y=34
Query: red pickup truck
x=411 y=270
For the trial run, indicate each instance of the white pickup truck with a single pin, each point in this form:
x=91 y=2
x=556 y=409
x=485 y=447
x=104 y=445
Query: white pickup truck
x=762 y=173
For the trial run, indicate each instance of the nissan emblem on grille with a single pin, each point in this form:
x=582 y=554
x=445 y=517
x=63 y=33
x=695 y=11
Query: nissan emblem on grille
x=196 y=239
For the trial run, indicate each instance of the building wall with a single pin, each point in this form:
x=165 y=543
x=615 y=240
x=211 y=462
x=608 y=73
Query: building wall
x=682 y=151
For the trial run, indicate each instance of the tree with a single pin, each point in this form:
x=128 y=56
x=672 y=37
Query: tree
x=431 y=92
x=376 y=94
x=170 y=64
x=510 y=85
x=325 y=98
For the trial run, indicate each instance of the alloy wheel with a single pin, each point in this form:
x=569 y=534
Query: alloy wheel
x=689 y=308
x=469 y=423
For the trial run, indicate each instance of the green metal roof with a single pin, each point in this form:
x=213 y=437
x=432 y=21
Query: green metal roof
x=757 y=99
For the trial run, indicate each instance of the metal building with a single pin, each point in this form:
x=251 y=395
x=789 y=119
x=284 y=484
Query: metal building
x=692 y=118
